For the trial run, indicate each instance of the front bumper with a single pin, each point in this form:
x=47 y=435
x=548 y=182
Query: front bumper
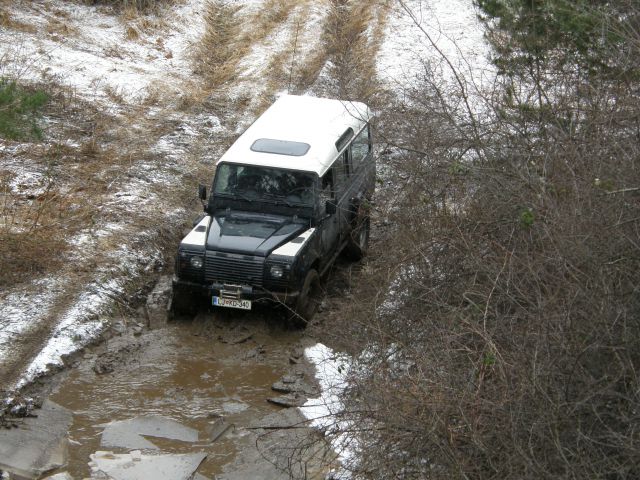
x=246 y=292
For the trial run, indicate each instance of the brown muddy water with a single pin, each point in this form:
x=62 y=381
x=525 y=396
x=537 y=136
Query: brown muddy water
x=192 y=371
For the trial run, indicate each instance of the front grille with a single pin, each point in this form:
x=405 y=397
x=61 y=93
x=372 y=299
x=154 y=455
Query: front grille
x=234 y=269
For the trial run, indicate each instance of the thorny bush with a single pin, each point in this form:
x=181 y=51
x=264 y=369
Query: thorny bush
x=505 y=340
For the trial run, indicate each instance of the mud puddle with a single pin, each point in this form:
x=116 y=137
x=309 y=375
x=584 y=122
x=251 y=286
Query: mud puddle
x=214 y=368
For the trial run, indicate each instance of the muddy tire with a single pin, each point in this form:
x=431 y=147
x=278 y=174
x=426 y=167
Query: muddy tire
x=358 y=241
x=308 y=301
x=183 y=304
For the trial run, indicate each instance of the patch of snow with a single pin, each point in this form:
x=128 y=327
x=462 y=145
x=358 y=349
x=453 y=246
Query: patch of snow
x=143 y=466
x=326 y=412
x=22 y=310
x=94 y=54
x=413 y=37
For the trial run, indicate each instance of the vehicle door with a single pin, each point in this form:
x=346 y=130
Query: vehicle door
x=344 y=187
x=330 y=224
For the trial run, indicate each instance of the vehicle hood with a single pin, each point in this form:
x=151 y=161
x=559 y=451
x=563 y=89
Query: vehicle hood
x=250 y=233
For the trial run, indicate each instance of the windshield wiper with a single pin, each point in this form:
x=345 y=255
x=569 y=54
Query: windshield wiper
x=279 y=199
x=242 y=196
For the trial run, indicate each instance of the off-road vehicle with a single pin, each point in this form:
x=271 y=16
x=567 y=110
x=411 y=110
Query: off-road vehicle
x=287 y=198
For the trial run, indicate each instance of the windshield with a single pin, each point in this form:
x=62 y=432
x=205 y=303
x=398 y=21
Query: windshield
x=254 y=183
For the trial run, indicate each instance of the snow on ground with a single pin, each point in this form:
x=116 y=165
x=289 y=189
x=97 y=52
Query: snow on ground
x=416 y=33
x=94 y=53
x=325 y=411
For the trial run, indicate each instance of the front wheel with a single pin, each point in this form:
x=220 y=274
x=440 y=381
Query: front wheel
x=358 y=241
x=308 y=300
x=182 y=304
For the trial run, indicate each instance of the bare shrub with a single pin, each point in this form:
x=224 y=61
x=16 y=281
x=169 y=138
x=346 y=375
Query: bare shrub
x=505 y=339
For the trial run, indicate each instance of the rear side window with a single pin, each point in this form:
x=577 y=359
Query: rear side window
x=360 y=148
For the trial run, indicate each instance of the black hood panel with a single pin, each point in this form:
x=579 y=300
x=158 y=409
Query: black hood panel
x=250 y=233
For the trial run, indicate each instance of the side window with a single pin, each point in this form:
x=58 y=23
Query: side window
x=340 y=174
x=360 y=148
x=346 y=162
x=328 y=190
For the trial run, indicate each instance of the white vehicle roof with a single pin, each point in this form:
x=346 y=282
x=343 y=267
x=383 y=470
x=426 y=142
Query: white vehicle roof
x=318 y=122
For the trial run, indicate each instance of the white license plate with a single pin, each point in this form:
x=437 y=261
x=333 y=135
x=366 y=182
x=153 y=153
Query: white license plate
x=231 y=303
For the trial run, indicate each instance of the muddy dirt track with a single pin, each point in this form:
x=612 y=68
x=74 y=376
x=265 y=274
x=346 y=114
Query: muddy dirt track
x=216 y=367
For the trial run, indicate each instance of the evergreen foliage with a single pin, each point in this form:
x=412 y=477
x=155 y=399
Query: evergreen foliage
x=19 y=111
x=559 y=32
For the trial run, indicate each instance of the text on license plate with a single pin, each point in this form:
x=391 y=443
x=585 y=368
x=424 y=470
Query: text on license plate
x=231 y=303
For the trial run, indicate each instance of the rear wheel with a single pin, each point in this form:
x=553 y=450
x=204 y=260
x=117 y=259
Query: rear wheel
x=308 y=300
x=358 y=241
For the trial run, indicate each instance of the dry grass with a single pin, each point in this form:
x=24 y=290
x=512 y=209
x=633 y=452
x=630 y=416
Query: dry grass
x=352 y=45
x=36 y=227
x=229 y=37
x=137 y=25
x=8 y=22
x=59 y=29
x=220 y=51
x=134 y=6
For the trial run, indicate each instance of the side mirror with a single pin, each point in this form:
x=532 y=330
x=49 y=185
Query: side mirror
x=330 y=207
x=202 y=192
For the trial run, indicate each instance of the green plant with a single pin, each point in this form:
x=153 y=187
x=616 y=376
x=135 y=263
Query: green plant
x=19 y=111
x=527 y=218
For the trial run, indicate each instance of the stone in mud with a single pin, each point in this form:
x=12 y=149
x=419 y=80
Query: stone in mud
x=40 y=445
x=129 y=433
x=119 y=353
x=139 y=466
x=255 y=352
x=236 y=336
x=158 y=302
x=288 y=400
x=294 y=383
x=137 y=329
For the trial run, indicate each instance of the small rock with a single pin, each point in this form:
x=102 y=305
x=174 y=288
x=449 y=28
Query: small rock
x=119 y=327
x=255 y=352
x=236 y=336
x=289 y=400
x=298 y=385
x=288 y=379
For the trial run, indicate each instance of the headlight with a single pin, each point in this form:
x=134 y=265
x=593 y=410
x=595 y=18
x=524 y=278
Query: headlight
x=276 y=271
x=196 y=262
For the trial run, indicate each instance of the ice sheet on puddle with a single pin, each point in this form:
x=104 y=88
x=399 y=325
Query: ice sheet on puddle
x=139 y=466
x=130 y=433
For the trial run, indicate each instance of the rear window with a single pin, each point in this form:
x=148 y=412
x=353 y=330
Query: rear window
x=280 y=147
